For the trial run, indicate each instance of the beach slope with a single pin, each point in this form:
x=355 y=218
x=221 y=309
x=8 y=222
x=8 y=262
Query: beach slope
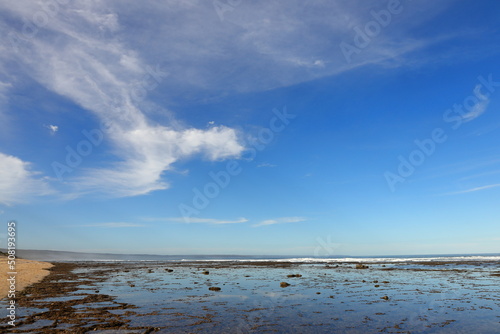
x=27 y=273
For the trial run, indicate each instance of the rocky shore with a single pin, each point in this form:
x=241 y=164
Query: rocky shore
x=249 y=297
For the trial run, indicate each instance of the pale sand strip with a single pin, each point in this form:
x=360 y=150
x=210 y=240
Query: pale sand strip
x=28 y=272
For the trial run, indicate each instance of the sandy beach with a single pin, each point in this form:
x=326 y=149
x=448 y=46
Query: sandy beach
x=28 y=272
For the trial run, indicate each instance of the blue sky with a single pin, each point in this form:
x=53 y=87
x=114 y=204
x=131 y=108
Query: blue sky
x=198 y=127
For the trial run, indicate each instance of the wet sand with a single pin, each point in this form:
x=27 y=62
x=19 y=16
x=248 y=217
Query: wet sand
x=28 y=272
x=249 y=297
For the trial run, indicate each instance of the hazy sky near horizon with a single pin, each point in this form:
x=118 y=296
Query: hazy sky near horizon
x=251 y=127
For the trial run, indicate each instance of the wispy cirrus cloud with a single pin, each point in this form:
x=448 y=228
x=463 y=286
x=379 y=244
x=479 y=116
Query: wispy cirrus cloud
x=281 y=220
x=113 y=225
x=98 y=55
x=88 y=64
x=479 y=108
x=266 y=164
x=474 y=189
x=189 y=220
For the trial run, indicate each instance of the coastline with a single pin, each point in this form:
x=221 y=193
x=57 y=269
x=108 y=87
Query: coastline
x=28 y=273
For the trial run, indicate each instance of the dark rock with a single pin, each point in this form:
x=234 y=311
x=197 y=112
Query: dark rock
x=214 y=288
x=284 y=284
x=376 y=285
x=295 y=275
x=205 y=272
x=384 y=298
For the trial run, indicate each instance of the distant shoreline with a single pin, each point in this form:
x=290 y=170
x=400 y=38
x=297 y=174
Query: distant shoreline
x=64 y=256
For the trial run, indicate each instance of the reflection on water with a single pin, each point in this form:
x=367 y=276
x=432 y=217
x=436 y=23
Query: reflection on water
x=389 y=297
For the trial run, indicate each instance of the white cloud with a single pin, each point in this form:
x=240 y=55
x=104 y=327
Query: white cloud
x=281 y=220
x=4 y=87
x=474 y=189
x=108 y=78
x=18 y=183
x=149 y=151
x=479 y=108
x=113 y=225
x=190 y=220
x=104 y=56
x=52 y=128
x=266 y=164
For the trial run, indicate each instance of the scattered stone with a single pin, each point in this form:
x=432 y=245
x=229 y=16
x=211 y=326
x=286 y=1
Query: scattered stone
x=205 y=272
x=376 y=285
x=384 y=298
x=169 y=270
x=331 y=296
x=295 y=275
x=318 y=293
x=214 y=288
x=361 y=266
x=284 y=284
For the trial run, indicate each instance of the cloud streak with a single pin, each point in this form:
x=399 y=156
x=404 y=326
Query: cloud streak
x=479 y=108
x=194 y=220
x=113 y=225
x=281 y=220
x=266 y=164
x=475 y=189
